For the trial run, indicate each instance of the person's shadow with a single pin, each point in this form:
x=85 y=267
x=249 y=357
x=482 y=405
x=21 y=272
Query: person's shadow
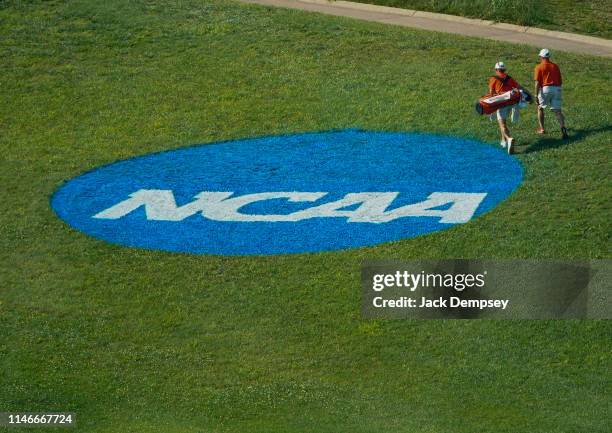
x=574 y=136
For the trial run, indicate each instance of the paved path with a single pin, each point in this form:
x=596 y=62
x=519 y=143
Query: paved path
x=452 y=24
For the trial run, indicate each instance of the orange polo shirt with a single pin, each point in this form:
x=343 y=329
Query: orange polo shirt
x=547 y=74
x=496 y=86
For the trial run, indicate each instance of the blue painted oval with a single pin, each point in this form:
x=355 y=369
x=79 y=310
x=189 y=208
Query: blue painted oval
x=338 y=162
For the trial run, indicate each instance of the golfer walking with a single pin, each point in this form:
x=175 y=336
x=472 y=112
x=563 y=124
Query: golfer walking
x=501 y=82
x=547 y=76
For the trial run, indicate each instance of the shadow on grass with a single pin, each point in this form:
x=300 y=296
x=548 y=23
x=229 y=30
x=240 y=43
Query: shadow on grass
x=574 y=136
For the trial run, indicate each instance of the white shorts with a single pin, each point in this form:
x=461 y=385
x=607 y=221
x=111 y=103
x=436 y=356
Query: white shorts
x=550 y=97
x=511 y=111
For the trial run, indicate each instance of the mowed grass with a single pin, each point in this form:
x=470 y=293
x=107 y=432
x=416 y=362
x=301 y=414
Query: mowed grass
x=147 y=341
x=590 y=17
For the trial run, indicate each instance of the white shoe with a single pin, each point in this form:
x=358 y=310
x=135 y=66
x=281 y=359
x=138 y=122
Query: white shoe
x=510 y=146
x=503 y=143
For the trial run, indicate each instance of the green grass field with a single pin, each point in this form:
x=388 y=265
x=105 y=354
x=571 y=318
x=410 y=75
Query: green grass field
x=146 y=341
x=590 y=17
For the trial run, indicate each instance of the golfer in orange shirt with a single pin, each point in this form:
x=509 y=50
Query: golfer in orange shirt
x=547 y=76
x=501 y=82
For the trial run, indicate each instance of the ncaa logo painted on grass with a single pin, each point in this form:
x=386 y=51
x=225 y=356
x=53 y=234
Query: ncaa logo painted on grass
x=289 y=194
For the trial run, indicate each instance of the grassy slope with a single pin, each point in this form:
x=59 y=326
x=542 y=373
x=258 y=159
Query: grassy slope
x=139 y=341
x=590 y=17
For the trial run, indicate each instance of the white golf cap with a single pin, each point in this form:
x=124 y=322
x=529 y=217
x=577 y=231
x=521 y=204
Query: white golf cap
x=500 y=65
x=545 y=53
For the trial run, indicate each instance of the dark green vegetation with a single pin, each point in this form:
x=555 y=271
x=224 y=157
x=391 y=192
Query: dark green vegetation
x=143 y=341
x=590 y=17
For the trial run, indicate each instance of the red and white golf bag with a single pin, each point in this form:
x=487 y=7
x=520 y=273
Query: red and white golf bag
x=491 y=103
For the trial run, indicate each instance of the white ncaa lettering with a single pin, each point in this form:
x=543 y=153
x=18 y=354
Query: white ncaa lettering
x=160 y=205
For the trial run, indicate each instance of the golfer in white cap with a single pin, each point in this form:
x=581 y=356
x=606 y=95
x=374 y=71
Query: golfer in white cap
x=501 y=82
x=547 y=76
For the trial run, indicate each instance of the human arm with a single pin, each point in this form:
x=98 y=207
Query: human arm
x=536 y=78
x=516 y=85
x=527 y=92
x=492 y=86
